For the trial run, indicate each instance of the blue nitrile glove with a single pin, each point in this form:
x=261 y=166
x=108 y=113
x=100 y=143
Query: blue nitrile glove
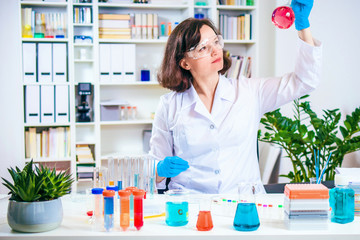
x=171 y=166
x=302 y=9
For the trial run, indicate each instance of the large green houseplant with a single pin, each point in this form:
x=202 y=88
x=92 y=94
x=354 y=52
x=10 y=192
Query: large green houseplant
x=35 y=204
x=307 y=137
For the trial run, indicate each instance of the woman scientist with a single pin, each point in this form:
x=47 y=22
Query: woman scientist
x=205 y=131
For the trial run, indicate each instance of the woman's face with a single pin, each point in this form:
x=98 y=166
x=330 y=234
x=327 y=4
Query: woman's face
x=207 y=56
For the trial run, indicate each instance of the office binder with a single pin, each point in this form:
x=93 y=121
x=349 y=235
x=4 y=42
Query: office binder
x=129 y=56
x=144 y=26
x=29 y=62
x=32 y=104
x=59 y=51
x=47 y=104
x=104 y=58
x=45 y=62
x=62 y=104
x=116 y=61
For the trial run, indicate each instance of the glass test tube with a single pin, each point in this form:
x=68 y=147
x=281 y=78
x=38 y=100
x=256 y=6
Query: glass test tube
x=131 y=189
x=135 y=168
x=96 y=218
x=103 y=177
x=138 y=208
x=120 y=173
x=150 y=176
x=108 y=209
x=111 y=171
x=96 y=179
x=124 y=209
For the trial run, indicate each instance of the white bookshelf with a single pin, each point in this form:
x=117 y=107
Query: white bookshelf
x=110 y=137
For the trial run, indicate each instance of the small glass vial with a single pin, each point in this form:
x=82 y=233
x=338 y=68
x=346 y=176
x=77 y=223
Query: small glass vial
x=342 y=204
x=96 y=219
x=124 y=209
x=129 y=113
x=123 y=114
x=138 y=208
x=134 y=112
x=108 y=209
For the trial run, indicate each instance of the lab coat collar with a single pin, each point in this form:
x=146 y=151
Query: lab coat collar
x=224 y=90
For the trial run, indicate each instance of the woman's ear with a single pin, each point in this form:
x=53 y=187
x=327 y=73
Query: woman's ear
x=184 y=64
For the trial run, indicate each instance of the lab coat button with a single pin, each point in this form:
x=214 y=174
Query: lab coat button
x=212 y=126
x=217 y=171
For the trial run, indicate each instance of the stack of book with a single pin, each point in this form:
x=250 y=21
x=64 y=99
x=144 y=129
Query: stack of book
x=84 y=154
x=306 y=205
x=85 y=173
x=114 y=26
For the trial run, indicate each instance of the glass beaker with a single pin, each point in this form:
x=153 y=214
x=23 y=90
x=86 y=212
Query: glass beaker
x=342 y=204
x=246 y=216
x=177 y=207
x=204 y=221
x=283 y=17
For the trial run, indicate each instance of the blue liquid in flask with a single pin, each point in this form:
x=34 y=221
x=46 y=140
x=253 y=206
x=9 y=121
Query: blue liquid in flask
x=177 y=214
x=246 y=217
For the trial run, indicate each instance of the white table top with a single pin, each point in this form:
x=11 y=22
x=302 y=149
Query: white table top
x=75 y=226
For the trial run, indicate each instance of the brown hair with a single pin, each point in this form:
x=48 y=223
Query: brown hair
x=181 y=39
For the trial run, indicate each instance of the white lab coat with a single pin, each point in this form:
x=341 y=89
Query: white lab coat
x=221 y=146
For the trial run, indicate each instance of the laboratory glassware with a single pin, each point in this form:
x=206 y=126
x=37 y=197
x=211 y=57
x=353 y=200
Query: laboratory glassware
x=103 y=177
x=204 y=221
x=246 y=216
x=124 y=209
x=138 y=208
x=121 y=165
x=96 y=219
x=131 y=189
x=342 y=204
x=108 y=209
x=177 y=207
x=283 y=17
x=111 y=168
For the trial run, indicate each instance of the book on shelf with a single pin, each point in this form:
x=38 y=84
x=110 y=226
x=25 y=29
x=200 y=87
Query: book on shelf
x=235 y=27
x=236 y=2
x=241 y=66
x=54 y=143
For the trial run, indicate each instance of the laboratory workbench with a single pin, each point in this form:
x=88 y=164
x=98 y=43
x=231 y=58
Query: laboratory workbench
x=75 y=226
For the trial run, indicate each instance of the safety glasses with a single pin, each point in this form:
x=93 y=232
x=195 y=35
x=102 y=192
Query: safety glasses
x=206 y=47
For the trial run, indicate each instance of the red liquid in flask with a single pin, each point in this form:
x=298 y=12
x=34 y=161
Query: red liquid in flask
x=204 y=222
x=283 y=17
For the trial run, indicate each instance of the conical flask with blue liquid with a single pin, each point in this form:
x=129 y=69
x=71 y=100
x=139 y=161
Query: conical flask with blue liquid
x=246 y=216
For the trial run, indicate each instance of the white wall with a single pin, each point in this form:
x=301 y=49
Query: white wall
x=11 y=102
x=337 y=25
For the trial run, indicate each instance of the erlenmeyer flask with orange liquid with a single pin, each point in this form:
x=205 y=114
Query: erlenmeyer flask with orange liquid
x=204 y=221
x=283 y=17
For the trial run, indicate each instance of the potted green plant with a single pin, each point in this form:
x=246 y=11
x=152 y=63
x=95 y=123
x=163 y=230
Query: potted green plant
x=35 y=203
x=314 y=145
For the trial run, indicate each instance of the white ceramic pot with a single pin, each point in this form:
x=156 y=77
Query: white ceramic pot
x=35 y=216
